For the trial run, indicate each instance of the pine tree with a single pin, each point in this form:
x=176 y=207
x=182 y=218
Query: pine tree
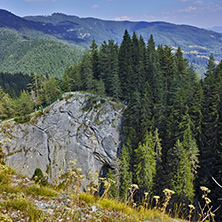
x=209 y=126
x=179 y=172
x=7 y=106
x=195 y=111
x=146 y=111
x=35 y=88
x=51 y=89
x=24 y=104
x=125 y=67
x=99 y=87
x=159 y=180
x=86 y=71
x=181 y=65
x=66 y=82
x=109 y=68
x=136 y=63
x=145 y=167
x=189 y=142
x=142 y=63
x=74 y=77
x=155 y=79
x=125 y=173
x=168 y=68
x=95 y=60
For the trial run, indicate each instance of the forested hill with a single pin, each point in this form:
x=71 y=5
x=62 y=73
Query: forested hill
x=42 y=56
x=197 y=44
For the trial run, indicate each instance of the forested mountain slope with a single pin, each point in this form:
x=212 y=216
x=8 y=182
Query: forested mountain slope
x=46 y=57
x=197 y=44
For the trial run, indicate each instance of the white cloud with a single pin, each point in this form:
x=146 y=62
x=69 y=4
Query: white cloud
x=95 y=6
x=198 y=2
x=122 y=18
x=188 y=9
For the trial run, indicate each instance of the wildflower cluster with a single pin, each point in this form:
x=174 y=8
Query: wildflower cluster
x=191 y=210
x=167 y=193
x=204 y=215
x=132 y=190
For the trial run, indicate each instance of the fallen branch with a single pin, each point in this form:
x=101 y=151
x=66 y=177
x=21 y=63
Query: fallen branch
x=209 y=212
x=216 y=182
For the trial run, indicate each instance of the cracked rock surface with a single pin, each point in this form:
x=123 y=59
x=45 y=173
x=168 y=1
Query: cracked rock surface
x=79 y=126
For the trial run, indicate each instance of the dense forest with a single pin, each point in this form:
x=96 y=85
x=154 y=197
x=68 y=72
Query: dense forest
x=24 y=54
x=172 y=125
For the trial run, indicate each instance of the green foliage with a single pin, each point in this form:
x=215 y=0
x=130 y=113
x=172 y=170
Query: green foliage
x=39 y=177
x=22 y=119
x=125 y=174
x=145 y=167
x=161 y=91
x=72 y=78
x=86 y=71
x=113 y=190
x=180 y=173
x=108 y=63
x=20 y=55
x=41 y=191
x=14 y=84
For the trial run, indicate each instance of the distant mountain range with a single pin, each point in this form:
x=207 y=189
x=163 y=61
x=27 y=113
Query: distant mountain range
x=74 y=33
x=216 y=29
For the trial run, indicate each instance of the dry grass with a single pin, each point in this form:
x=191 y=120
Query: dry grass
x=74 y=206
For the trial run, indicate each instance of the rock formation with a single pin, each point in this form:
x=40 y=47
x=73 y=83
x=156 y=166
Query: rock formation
x=78 y=127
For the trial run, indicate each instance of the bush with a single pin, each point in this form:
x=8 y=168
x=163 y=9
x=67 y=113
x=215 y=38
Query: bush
x=39 y=177
x=22 y=119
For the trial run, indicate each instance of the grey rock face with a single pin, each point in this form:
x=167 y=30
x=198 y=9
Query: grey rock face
x=78 y=127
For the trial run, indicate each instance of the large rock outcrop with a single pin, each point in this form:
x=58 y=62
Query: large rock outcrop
x=77 y=127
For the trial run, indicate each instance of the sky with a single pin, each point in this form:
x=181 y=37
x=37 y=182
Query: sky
x=200 y=13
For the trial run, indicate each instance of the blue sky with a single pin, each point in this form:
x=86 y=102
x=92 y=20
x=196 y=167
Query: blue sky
x=201 y=13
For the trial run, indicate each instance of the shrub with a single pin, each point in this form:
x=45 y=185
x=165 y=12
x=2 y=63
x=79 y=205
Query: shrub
x=39 y=177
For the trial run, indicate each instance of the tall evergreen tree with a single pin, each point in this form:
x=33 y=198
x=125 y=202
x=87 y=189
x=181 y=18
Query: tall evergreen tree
x=51 y=89
x=146 y=111
x=66 y=82
x=125 y=67
x=155 y=79
x=95 y=60
x=180 y=179
x=189 y=142
x=125 y=172
x=109 y=68
x=136 y=63
x=74 y=77
x=159 y=180
x=145 y=167
x=24 y=104
x=142 y=63
x=209 y=127
x=167 y=64
x=87 y=71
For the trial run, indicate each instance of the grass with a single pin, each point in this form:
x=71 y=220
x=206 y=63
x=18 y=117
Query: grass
x=20 y=203
x=79 y=206
x=42 y=191
x=128 y=212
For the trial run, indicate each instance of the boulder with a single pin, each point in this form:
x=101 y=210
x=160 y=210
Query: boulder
x=79 y=127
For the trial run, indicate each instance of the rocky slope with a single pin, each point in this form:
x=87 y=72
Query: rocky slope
x=76 y=127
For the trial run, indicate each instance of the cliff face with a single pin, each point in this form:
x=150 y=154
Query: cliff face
x=77 y=127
